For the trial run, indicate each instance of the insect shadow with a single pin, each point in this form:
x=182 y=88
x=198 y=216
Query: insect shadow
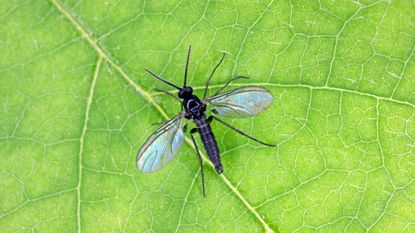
x=162 y=146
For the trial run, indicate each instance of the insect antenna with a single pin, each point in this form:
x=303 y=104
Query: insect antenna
x=164 y=81
x=187 y=65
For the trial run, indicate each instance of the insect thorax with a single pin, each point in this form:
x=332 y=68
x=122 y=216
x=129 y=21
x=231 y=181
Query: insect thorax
x=194 y=108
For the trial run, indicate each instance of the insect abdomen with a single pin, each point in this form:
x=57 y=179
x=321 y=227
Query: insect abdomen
x=209 y=142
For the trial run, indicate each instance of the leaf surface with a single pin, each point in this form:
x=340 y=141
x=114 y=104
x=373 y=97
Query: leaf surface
x=76 y=105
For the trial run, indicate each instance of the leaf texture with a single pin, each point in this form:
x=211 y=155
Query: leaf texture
x=76 y=105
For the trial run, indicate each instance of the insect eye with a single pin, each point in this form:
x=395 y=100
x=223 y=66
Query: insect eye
x=185 y=92
x=189 y=90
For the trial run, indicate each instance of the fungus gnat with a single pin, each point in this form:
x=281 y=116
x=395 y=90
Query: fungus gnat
x=162 y=146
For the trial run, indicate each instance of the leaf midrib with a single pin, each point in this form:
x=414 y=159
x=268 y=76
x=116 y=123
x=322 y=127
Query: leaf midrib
x=148 y=97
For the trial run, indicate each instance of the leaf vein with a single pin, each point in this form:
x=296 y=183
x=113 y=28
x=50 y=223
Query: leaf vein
x=337 y=89
x=147 y=96
x=81 y=141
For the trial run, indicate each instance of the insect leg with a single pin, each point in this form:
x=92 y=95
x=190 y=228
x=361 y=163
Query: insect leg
x=192 y=131
x=210 y=118
x=239 y=131
x=213 y=72
x=228 y=82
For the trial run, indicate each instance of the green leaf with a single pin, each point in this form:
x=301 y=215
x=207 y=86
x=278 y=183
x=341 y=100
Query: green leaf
x=76 y=105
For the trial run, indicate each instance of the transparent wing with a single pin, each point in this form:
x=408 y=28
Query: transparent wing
x=241 y=102
x=162 y=146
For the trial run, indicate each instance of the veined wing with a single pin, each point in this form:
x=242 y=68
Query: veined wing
x=241 y=102
x=162 y=146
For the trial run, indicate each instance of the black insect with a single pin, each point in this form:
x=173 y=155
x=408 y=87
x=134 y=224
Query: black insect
x=163 y=145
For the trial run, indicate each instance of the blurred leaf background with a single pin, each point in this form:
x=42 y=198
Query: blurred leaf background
x=76 y=105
